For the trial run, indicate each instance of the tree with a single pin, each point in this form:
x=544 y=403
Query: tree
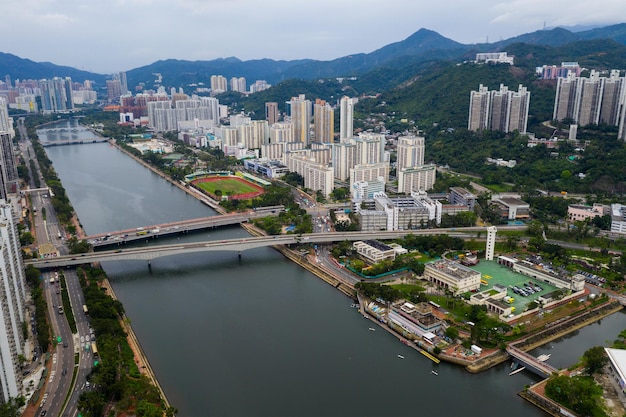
x=26 y=239
x=12 y=407
x=594 y=360
x=511 y=242
x=452 y=333
x=340 y=193
x=76 y=246
x=581 y=394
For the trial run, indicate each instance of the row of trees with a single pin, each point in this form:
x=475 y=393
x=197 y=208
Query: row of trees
x=33 y=279
x=399 y=262
x=116 y=377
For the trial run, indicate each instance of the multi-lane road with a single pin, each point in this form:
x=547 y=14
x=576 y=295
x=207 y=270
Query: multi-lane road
x=70 y=361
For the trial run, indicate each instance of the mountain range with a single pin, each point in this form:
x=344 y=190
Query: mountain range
x=422 y=46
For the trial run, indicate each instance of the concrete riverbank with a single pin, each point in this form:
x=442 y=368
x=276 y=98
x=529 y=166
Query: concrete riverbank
x=191 y=191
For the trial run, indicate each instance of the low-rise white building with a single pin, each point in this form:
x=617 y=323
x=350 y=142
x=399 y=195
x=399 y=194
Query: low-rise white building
x=269 y=168
x=452 y=276
x=495 y=57
x=373 y=250
x=617 y=361
x=460 y=196
x=512 y=208
x=618 y=218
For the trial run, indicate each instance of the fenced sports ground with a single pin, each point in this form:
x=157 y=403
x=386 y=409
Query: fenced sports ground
x=235 y=188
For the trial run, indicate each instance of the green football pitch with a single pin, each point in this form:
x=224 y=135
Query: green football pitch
x=228 y=186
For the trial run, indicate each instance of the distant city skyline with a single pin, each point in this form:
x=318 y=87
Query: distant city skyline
x=107 y=37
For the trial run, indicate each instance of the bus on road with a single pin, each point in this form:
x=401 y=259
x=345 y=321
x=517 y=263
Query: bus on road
x=85 y=309
x=94 y=349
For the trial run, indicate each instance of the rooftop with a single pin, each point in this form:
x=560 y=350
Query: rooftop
x=453 y=269
x=378 y=245
x=510 y=201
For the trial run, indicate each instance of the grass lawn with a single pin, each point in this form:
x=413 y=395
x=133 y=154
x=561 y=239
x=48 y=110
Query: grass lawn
x=407 y=289
x=228 y=186
x=498 y=188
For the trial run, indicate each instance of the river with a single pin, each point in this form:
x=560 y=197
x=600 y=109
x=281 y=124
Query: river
x=259 y=336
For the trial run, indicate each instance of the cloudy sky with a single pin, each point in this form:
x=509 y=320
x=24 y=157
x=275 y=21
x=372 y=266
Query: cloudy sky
x=106 y=36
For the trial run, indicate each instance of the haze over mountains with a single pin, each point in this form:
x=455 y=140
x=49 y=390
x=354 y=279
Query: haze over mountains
x=422 y=46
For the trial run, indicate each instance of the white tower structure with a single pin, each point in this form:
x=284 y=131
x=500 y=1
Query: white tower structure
x=491 y=243
x=12 y=299
x=346 y=118
x=300 y=112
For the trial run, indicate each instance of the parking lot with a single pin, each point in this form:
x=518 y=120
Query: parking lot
x=494 y=273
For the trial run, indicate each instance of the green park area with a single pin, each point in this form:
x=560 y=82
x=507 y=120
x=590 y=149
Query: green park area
x=227 y=186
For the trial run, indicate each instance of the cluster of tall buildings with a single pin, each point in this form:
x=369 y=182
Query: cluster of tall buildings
x=303 y=141
x=219 y=84
x=12 y=280
x=117 y=87
x=595 y=99
x=177 y=111
x=361 y=160
x=56 y=95
x=592 y=100
x=502 y=110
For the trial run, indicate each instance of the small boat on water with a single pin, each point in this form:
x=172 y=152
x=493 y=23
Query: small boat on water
x=400 y=356
x=543 y=358
x=517 y=370
x=434 y=372
x=372 y=329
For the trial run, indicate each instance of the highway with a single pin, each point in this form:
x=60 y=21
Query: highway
x=61 y=383
x=239 y=245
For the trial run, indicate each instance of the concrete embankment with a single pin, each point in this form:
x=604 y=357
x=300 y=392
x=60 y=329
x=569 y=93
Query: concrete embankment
x=548 y=335
x=205 y=199
x=304 y=263
x=487 y=362
x=568 y=326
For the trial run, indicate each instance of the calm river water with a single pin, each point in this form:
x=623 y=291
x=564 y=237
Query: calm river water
x=259 y=336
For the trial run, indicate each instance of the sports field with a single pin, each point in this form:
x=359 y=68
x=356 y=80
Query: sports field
x=236 y=188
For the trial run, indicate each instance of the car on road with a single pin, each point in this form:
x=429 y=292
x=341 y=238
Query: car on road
x=25 y=373
x=43 y=413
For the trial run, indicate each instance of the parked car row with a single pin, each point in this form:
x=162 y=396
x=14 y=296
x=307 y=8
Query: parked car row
x=528 y=289
x=592 y=278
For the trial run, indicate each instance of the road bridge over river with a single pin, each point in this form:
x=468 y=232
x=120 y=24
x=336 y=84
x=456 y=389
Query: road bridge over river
x=239 y=245
x=141 y=233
